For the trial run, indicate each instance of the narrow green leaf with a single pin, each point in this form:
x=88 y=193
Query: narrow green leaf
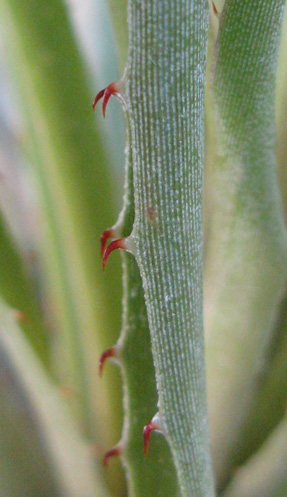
x=119 y=15
x=155 y=475
x=265 y=473
x=281 y=113
x=164 y=98
x=17 y=290
x=40 y=444
x=76 y=199
x=246 y=263
x=268 y=405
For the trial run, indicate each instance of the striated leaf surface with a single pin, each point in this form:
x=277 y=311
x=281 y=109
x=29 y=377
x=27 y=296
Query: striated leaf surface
x=164 y=95
x=246 y=262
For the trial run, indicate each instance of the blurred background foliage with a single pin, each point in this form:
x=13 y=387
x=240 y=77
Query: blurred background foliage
x=61 y=186
x=62 y=172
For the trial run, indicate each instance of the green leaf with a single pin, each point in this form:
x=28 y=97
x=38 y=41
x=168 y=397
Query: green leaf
x=265 y=473
x=267 y=408
x=41 y=449
x=281 y=113
x=155 y=474
x=119 y=14
x=246 y=259
x=76 y=201
x=17 y=290
x=164 y=98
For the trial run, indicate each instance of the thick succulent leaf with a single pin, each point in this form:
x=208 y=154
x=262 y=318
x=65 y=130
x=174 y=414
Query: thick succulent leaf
x=155 y=474
x=164 y=97
x=268 y=405
x=246 y=259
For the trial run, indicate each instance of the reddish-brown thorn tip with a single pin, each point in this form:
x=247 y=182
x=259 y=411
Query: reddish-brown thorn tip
x=106 y=355
x=147 y=431
x=214 y=8
x=116 y=244
x=112 y=89
x=98 y=97
x=104 y=237
x=115 y=452
x=154 y=425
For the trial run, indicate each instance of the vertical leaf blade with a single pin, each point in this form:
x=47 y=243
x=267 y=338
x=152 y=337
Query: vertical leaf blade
x=76 y=197
x=165 y=90
x=246 y=264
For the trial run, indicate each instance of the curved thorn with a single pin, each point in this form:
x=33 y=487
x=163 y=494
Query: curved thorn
x=107 y=92
x=116 y=244
x=104 y=237
x=214 y=9
x=154 y=425
x=106 y=99
x=147 y=431
x=115 y=452
x=98 y=97
x=106 y=355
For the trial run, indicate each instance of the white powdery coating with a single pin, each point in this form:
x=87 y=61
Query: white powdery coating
x=165 y=95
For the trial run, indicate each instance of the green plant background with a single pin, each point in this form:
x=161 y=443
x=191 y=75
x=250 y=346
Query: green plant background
x=61 y=185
